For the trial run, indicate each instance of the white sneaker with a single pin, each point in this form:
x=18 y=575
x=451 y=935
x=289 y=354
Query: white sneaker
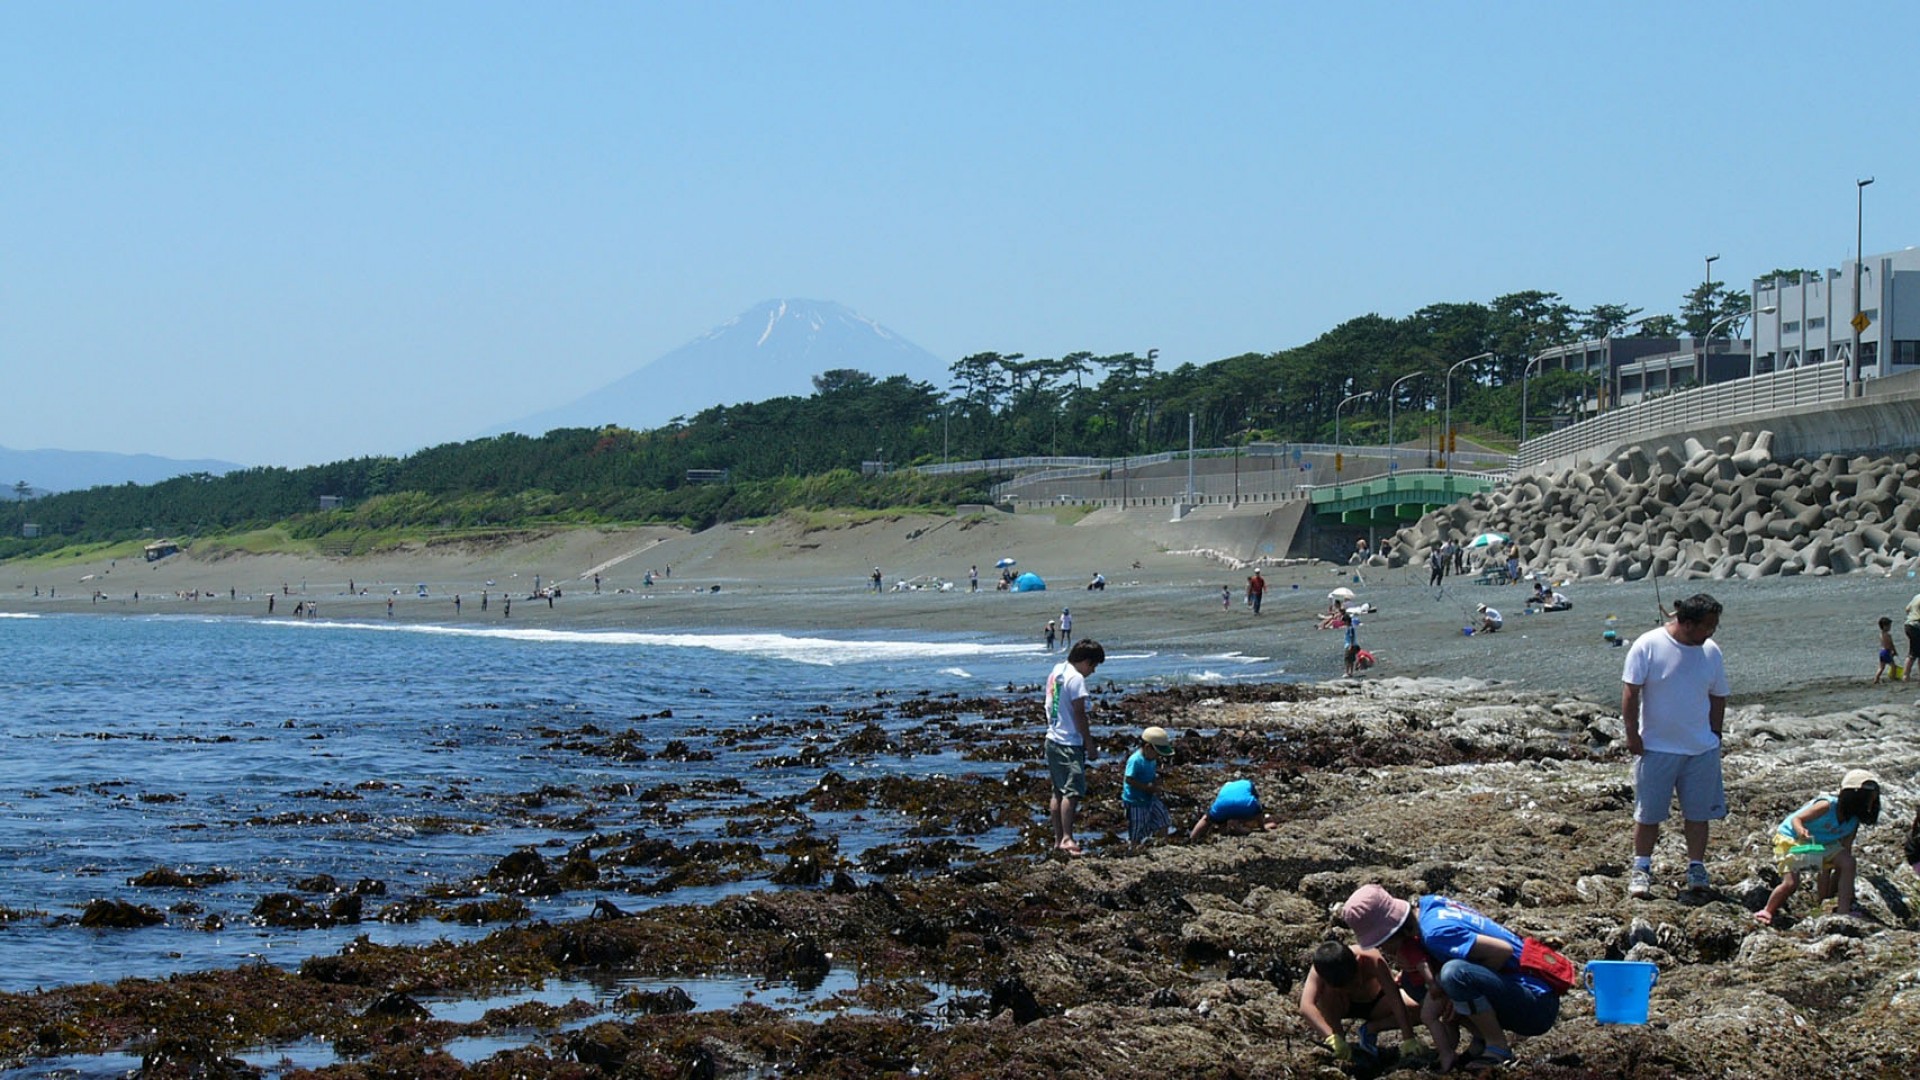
x=1639 y=883
x=1697 y=878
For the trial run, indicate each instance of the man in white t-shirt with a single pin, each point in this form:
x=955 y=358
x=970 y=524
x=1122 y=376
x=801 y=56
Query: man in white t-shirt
x=1674 y=706
x=1069 y=732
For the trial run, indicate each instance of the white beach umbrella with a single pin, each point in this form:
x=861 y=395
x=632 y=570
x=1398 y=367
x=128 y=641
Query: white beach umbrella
x=1489 y=540
x=1341 y=593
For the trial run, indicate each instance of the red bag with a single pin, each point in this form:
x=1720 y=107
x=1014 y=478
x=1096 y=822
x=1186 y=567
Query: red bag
x=1545 y=964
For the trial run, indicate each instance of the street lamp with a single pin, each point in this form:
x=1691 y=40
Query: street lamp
x=1753 y=360
x=1524 y=372
x=1446 y=432
x=1393 y=448
x=1344 y=402
x=1706 y=341
x=1859 y=255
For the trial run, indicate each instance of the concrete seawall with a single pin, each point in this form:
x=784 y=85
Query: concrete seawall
x=1884 y=419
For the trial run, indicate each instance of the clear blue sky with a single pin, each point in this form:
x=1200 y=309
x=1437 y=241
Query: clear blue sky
x=288 y=233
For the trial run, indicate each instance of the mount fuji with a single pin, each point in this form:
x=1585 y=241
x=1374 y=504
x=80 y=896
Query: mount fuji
x=773 y=349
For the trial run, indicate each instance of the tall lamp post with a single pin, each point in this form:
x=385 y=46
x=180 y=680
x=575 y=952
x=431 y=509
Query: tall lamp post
x=1446 y=432
x=1524 y=372
x=1859 y=255
x=1393 y=447
x=1344 y=402
x=1706 y=343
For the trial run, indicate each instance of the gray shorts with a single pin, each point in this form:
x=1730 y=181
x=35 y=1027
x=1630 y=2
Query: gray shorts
x=1695 y=777
x=1067 y=768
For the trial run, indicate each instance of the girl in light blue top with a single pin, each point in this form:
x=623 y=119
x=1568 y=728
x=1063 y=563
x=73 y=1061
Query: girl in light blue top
x=1818 y=837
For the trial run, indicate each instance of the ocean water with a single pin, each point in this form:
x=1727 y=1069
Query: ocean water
x=414 y=755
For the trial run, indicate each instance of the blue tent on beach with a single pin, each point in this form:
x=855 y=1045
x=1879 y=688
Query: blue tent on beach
x=1029 y=582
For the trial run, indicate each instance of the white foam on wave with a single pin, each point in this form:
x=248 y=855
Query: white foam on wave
x=825 y=652
x=958 y=673
x=19 y=615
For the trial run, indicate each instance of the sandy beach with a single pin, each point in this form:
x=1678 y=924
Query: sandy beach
x=1800 y=643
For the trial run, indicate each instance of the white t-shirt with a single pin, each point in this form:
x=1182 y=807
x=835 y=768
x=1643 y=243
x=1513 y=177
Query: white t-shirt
x=1064 y=686
x=1676 y=681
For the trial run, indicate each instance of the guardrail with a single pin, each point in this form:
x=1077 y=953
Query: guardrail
x=1792 y=388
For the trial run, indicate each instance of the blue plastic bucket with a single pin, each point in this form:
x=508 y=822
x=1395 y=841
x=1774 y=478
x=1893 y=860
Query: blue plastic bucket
x=1621 y=990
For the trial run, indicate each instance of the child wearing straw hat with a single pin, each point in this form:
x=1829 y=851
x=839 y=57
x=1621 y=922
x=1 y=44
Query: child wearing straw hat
x=1818 y=839
x=1147 y=817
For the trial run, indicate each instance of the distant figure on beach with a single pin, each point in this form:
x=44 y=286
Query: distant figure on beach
x=1350 y=643
x=973 y=579
x=1049 y=635
x=1066 y=626
x=874 y=579
x=1360 y=552
x=456 y=603
x=1673 y=704
x=1490 y=619
x=1069 y=731
x=389 y=607
x=1098 y=584
x=506 y=607
x=647 y=578
x=596 y=584
x=269 y=603
x=1226 y=598
x=1474 y=962
x=1256 y=591
x=1347 y=984
x=1889 y=659
x=1513 y=567
x=483 y=599
x=1147 y=817
x=1236 y=809
x=1818 y=839
x=1913 y=632
x=299 y=608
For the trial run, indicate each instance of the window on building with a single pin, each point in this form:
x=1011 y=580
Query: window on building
x=1790 y=327
x=1815 y=324
x=1870 y=354
x=1906 y=352
x=1815 y=356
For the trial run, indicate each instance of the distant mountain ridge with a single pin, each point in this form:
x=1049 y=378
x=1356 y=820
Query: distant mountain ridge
x=49 y=471
x=773 y=349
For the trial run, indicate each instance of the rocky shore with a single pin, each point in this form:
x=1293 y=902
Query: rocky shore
x=1175 y=958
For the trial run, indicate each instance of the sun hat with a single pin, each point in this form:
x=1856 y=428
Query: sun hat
x=1374 y=915
x=1158 y=738
x=1858 y=778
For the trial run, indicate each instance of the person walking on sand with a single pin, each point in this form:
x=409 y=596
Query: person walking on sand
x=1226 y=598
x=1673 y=704
x=1256 y=590
x=973 y=579
x=1069 y=735
x=1049 y=635
x=1066 y=625
x=1889 y=656
x=1350 y=643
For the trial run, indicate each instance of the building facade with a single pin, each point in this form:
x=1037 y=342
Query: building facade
x=1811 y=320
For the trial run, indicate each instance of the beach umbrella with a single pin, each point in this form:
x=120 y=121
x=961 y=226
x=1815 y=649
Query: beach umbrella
x=1004 y=563
x=1488 y=540
x=1029 y=582
x=1341 y=593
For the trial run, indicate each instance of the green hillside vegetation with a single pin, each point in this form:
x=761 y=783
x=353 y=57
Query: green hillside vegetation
x=807 y=452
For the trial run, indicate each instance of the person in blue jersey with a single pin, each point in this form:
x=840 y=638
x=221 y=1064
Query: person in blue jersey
x=1147 y=817
x=1069 y=736
x=1827 y=825
x=1236 y=809
x=1474 y=964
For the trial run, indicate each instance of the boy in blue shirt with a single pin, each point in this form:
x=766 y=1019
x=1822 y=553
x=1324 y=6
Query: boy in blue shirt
x=1475 y=969
x=1147 y=817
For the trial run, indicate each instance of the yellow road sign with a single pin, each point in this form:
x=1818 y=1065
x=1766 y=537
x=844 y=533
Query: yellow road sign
x=1861 y=322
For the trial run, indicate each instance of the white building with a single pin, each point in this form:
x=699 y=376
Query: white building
x=1811 y=321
